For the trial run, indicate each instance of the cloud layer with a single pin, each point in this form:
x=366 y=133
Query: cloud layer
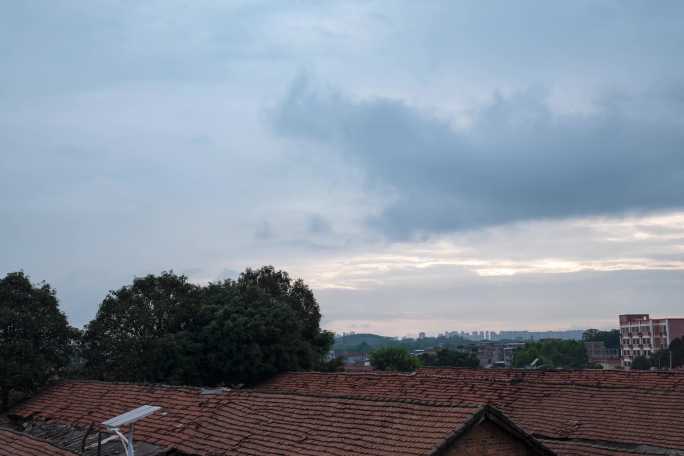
x=517 y=160
x=465 y=159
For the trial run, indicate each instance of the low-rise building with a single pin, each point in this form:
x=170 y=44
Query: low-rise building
x=598 y=353
x=431 y=412
x=66 y=420
x=588 y=412
x=641 y=335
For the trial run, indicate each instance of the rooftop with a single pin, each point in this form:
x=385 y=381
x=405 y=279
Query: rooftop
x=249 y=422
x=599 y=410
x=14 y=443
x=573 y=412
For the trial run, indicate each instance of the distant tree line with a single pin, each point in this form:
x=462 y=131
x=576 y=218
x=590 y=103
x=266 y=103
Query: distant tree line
x=610 y=339
x=366 y=343
x=450 y=358
x=162 y=328
x=552 y=353
x=662 y=359
x=399 y=359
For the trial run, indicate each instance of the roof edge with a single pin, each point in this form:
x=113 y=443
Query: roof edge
x=36 y=439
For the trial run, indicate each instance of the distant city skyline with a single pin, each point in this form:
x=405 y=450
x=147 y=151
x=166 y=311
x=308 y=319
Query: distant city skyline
x=474 y=334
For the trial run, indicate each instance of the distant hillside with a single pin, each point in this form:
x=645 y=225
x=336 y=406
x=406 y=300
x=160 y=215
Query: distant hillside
x=351 y=342
x=368 y=342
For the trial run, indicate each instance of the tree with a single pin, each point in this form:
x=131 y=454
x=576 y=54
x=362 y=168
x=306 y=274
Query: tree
x=261 y=325
x=567 y=354
x=35 y=338
x=611 y=339
x=641 y=363
x=660 y=359
x=144 y=332
x=280 y=289
x=674 y=354
x=450 y=358
x=393 y=359
x=677 y=352
x=334 y=365
x=164 y=329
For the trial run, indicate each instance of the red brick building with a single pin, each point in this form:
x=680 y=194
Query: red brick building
x=641 y=335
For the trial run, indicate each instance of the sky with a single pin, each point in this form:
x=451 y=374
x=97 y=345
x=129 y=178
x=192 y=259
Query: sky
x=423 y=166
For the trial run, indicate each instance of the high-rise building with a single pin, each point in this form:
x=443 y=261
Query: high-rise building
x=641 y=335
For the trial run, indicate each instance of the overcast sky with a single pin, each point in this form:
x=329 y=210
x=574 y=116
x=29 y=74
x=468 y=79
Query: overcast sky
x=424 y=166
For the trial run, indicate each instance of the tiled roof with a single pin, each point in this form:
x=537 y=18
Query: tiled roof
x=17 y=444
x=619 y=409
x=248 y=422
x=643 y=380
x=587 y=448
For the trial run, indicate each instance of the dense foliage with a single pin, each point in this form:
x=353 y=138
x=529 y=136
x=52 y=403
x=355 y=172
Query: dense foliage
x=35 y=338
x=164 y=329
x=673 y=354
x=450 y=358
x=611 y=339
x=569 y=354
x=677 y=351
x=148 y=331
x=393 y=359
x=641 y=363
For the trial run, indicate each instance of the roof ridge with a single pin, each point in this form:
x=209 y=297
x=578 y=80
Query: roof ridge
x=117 y=382
x=579 y=383
x=392 y=399
x=377 y=373
x=636 y=448
x=523 y=370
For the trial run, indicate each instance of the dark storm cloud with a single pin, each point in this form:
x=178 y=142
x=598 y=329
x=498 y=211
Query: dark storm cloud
x=518 y=160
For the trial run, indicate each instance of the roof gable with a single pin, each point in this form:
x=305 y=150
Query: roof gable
x=253 y=422
x=626 y=410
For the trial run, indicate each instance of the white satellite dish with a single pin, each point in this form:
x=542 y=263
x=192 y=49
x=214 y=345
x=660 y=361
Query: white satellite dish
x=129 y=419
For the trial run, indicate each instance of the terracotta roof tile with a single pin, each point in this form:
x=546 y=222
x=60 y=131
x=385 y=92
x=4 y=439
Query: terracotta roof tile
x=626 y=407
x=585 y=449
x=17 y=444
x=250 y=422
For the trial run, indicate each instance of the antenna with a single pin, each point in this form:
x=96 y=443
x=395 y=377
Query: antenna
x=129 y=418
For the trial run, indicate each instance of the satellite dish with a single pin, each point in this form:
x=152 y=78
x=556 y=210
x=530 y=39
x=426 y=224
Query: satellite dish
x=129 y=419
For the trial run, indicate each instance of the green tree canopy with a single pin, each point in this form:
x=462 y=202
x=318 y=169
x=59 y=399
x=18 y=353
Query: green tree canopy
x=393 y=359
x=660 y=359
x=611 y=339
x=144 y=332
x=164 y=329
x=677 y=351
x=641 y=363
x=35 y=338
x=450 y=358
x=674 y=353
x=568 y=354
